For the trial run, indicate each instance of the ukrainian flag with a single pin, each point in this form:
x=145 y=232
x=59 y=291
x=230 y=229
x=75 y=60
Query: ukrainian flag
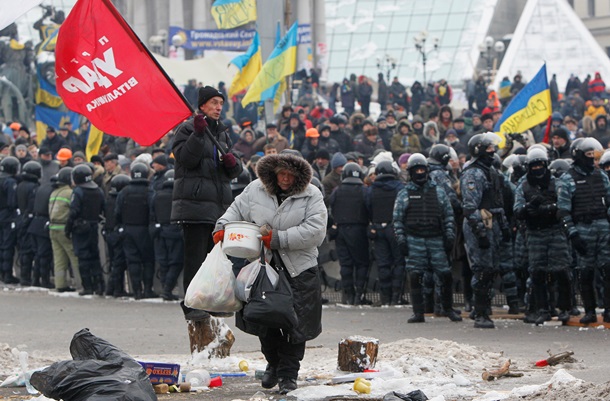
x=281 y=63
x=94 y=141
x=249 y=65
x=230 y=14
x=276 y=91
x=55 y=118
x=530 y=107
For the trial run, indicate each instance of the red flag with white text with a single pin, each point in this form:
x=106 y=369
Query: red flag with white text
x=105 y=73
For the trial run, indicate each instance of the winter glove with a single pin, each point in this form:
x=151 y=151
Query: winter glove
x=218 y=236
x=531 y=210
x=484 y=242
x=200 y=124
x=548 y=209
x=403 y=246
x=579 y=245
x=267 y=239
x=332 y=233
x=229 y=160
x=448 y=243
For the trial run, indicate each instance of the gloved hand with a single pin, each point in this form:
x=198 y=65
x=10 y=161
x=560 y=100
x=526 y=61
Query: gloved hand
x=332 y=233
x=579 y=245
x=403 y=246
x=218 y=236
x=200 y=123
x=371 y=233
x=548 y=209
x=484 y=242
x=506 y=235
x=229 y=160
x=267 y=239
x=531 y=210
x=448 y=244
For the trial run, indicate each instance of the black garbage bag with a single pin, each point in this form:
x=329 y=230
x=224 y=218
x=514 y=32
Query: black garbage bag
x=99 y=371
x=415 y=395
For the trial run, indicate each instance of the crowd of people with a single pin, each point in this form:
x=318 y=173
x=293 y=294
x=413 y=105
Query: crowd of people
x=420 y=179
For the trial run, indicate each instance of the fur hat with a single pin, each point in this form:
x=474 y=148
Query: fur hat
x=268 y=167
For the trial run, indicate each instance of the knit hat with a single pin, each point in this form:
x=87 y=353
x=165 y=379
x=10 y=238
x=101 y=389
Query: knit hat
x=450 y=131
x=338 y=160
x=404 y=158
x=21 y=147
x=556 y=116
x=79 y=154
x=161 y=159
x=111 y=156
x=208 y=92
x=323 y=154
x=562 y=133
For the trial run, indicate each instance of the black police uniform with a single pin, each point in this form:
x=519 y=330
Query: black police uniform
x=116 y=254
x=26 y=195
x=132 y=212
x=86 y=208
x=168 y=241
x=39 y=229
x=8 y=225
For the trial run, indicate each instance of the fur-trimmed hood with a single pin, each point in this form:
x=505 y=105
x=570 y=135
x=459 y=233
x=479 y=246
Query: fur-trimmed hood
x=267 y=167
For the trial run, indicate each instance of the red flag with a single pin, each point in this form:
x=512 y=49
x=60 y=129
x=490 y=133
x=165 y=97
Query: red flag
x=106 y=74
x=547 y=131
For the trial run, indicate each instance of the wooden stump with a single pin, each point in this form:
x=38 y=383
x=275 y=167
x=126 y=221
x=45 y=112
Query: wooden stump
x=211 y=335
x=357 y=353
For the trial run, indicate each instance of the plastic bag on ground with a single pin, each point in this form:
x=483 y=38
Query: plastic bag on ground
x=213 y=287
x=99 y=371
x=415 y=395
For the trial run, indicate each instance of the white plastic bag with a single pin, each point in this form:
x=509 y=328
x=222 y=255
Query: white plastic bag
x=247 y=276
x=212 y=288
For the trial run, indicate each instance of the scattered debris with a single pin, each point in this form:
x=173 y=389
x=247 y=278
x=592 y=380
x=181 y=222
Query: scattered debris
x=562 y=357
x=503 y=371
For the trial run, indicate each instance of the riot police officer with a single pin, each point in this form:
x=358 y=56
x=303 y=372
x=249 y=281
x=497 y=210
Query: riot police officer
x=548 y=254
x=26 y=195
x=582 y=199
x=167 y=238
x=239 y=183
x=9 y=168
x=114 y=239
x=559 y=167
x=39 y=229
x=349 y=214
x=86 y=209
x=380 y=199
x=425 y=232
x=132 y=213
x=485 y=225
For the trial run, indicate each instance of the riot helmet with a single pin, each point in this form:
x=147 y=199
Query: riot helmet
x=241 y=181
x=119 y=182
x=64 y=176
x=83 y=176
x=33 y=169
x=559 y=167
x=384 y=170
x=139 y=171
x=583 y=152
x=483 y=146
x=537 y=163
x=9 y=166
x=519 y=168
x=418 y=161
x=439 y=154
x=604 y=161
x=352 y=174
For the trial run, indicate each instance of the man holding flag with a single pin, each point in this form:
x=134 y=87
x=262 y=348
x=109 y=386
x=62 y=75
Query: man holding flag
x=202 y=189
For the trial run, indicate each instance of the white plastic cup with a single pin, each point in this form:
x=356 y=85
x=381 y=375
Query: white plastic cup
x=198 y=378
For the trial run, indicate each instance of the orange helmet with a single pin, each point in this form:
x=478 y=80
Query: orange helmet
x=15 y=126
x=64 y=154
x=312 y=133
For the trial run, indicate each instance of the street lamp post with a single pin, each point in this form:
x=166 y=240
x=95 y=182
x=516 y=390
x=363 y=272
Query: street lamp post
x=488 y=50
x=386 y=65
x=420 y=45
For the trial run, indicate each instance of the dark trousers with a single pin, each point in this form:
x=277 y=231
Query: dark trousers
x=44 y=257
x=279 y=352
x=118 y=263
x=140 y=257
x=352 y=245
x=27 y=251
x=8 y=239
x=197 y=244
x=87 y=251
x=168 y=253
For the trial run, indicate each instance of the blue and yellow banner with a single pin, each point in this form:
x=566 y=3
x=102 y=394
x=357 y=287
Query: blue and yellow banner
x=94 y=141
x=276 y=91
x=249 y=65
x=530 y=107
x=281 y=63
x=230 y=14
x=46 y=116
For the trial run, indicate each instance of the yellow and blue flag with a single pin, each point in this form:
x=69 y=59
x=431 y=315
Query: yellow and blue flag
x=281 y=63
x=530 y=107
x=94 y=141
x=230 y=14
x=249 y=65
x=48 y=117
x=276 y=91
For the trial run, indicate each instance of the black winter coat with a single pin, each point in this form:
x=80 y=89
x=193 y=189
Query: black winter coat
x=202 y=186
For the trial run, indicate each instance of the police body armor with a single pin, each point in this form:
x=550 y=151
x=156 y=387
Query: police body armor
x=550 y=196
x=423 y=215
x=163 y=206
x=493 y=197
x=134 y=210
x=24 y=192
x=588 y=203
x=93 y=199
x=349 y=205
x=382 y=205
x=39 y=223
x=109 y=212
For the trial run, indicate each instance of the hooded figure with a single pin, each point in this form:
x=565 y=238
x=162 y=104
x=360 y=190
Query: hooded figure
x=430 y=136
x=284 y=199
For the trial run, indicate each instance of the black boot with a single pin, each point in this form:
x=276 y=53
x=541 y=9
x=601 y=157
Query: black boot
x=606 y=315
x=447 y=298
x=99 y=286
x=417 y=299
x=589 y=317
x=513 y=308
x=269 y=379
x=482 y=320
x=386 y=297
x=10 y=279
x=360 y=298
x=543 y=316
x=287 y=384
x=348 y=296
x=87 y=286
